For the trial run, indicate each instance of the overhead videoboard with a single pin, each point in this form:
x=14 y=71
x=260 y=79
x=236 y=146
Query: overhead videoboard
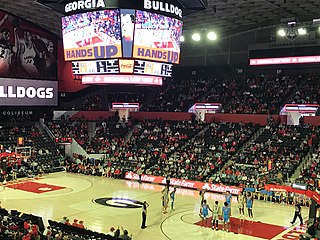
x=114 y=66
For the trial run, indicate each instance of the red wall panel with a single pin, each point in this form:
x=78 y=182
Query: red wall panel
x=315 y=121
x=65 y=76
x=180 y=116
x=245 y=118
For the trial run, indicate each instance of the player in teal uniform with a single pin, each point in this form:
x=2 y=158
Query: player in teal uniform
x=226 y=216
x=249 y=201
x=228 y=198
x=172 y=196
x=205 y=213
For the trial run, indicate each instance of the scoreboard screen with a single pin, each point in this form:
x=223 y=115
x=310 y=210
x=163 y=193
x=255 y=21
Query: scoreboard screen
x=92 y=35
x=121 y=41
x=152 y=68
x=114 y=66
x=95 y=67
x=157 y=37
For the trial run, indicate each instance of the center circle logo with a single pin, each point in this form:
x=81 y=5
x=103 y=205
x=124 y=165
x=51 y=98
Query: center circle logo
x=119 y=202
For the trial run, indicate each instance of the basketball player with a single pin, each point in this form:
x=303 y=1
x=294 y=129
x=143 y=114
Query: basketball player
x=26 y=53
x=45 y=60
x=249 y=201
x=205 y=213
x=216 y=211
x=226 y=216
x=41 y=55
x=201 y=194
x=5 y=53
x=4 y=177
x=165 y=199
x=51 y=62
x=228 y=200
x=6 y=49
x=172 y=196
x=241 y=199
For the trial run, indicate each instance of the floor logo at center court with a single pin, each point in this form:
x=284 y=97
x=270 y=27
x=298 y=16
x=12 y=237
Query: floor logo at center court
x=119 y=202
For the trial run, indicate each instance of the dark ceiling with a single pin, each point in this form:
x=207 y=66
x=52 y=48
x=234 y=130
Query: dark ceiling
x=226 y=16
x=235 y=16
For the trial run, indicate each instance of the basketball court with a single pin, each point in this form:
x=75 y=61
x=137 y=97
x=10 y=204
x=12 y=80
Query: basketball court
x=103 y=202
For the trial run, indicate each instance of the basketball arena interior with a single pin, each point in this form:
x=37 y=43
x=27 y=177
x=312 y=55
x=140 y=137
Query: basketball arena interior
x=169 y=119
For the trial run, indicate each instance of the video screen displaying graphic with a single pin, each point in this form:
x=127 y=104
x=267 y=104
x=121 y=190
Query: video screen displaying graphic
x=115 y=66
x=92 y=35
x=157 y=37
x=26 y=51
x=121 y=42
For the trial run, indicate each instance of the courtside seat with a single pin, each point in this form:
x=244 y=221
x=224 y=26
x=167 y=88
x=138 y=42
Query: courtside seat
x=86 y=233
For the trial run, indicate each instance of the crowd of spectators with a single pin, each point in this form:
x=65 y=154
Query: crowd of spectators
x=35 y=153
x=19 y=228
x=67 y=128
x=210 y=150
x=180 y=95
x=185 y=150
x=274 y=155
x=200 y=151
x=15 y=225
x=153 y=142
x=101 y=136
x=223 y=89
x=92 y=103
x=311 y=169
x=65 y=229
x=149 y=149
x=107 y=136
x=126 y=97
x=308 y=91
x=259 y=94
x=95 y=167
x=262 y=94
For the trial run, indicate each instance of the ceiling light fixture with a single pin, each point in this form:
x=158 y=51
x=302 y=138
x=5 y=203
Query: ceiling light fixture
x=302 y=31
x=212 y=36
x=281 y=32
x=196 y=37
